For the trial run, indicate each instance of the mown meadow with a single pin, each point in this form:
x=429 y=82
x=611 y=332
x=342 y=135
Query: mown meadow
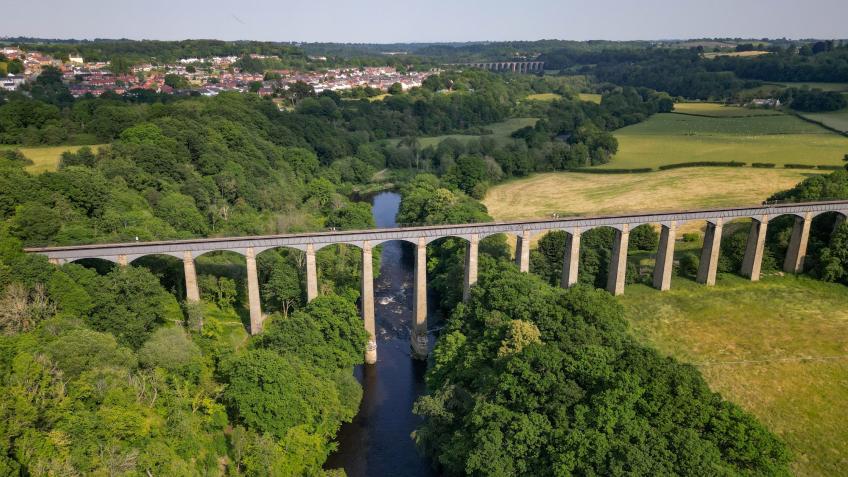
x=45 y=158
x=711 y=132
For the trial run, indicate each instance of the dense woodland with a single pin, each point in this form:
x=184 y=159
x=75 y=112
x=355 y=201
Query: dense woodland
x=529 y=379
x=689 y=74
x=105 y=370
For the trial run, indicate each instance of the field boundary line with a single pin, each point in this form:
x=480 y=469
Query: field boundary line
x=728 y=117
x=819 y=123
x=776 y=360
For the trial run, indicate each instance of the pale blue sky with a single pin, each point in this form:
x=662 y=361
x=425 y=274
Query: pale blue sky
x=384 y=21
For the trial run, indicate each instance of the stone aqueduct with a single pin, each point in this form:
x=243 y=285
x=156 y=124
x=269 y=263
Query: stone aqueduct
x=249 y=247
x=513 y=66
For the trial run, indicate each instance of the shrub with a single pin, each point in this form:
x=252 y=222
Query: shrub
x=171 y=348
x=702 y=164
x=644 y=237
x=691 y=237
x=592 y=170
x=689 y=264
x=764 y=165
x=798 y=166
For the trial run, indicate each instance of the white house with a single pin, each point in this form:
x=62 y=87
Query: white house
x=12 y=82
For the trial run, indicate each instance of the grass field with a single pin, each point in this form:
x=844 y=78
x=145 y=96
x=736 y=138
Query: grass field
x=778 y=348
x=716 y=110
x=569 y=193
x=834 y=119
x=543 y=97
x=673 y=138
x=591 y=97
x=45 y=158
x=743 y=54
x=500 y=132
x=821 y=86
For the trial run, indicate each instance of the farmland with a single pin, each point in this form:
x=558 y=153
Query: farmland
x=742 y=54
x=715 y=110
x=833 y=119
x=822 y=86
x=591 y=97
x=570 y=193
x=674 y=138
x=45 y=158
x=776 y=347
x=543 y=97
x=500 y=132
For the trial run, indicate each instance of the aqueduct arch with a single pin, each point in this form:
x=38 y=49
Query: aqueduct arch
x=123 y=254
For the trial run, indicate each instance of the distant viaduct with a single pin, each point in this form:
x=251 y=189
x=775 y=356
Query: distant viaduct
x=513 y=66
x=189 y=250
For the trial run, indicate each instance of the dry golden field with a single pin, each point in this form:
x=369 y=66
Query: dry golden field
x=569 y=193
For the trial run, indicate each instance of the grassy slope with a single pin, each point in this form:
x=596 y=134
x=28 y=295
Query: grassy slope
x=500 y=132
x=778 y=348
x=744 y=54
x=716 y=110
x=821 y=86
x=834 y=119
x=673 y=138
x=543 y=97
x=570 y=193
x=45 y=158
x=591 y=97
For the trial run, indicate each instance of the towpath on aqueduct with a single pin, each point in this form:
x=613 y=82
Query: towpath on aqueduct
x=189 y=250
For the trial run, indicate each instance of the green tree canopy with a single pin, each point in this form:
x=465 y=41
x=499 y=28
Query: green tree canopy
x=529 y=379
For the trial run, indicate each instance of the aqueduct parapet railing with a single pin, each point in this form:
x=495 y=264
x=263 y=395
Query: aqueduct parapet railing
x=249 y=247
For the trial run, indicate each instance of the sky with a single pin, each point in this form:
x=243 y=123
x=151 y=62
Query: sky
x=388 y=21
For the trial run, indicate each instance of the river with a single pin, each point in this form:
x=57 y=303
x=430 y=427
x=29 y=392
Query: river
x=378 y=443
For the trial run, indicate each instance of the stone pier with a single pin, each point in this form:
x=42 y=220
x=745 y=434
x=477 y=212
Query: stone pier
x=618 y=262
x=311 y=274
x=254 y=304
x=665 y=257
x=797 y=251
x=192 y=292
x=522 y=251
x=571 y=258
x=125 y=253
x=419 y=304
x=368 y=303
x=753 y=260
x=709 y=253
x=470 y=266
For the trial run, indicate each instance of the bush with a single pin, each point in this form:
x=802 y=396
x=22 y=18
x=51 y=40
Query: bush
x=644 y=237
x=830 y=168
x=171 y=349
x=592 y=170
x=691 y=237
x=798 y=166
x=689 y=264
x=702 y=164
x=764 y=165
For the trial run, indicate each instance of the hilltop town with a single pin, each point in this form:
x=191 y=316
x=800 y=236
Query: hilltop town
x=204 y=76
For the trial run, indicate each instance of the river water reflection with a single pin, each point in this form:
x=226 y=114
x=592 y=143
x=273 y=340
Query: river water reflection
x=377 y=443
